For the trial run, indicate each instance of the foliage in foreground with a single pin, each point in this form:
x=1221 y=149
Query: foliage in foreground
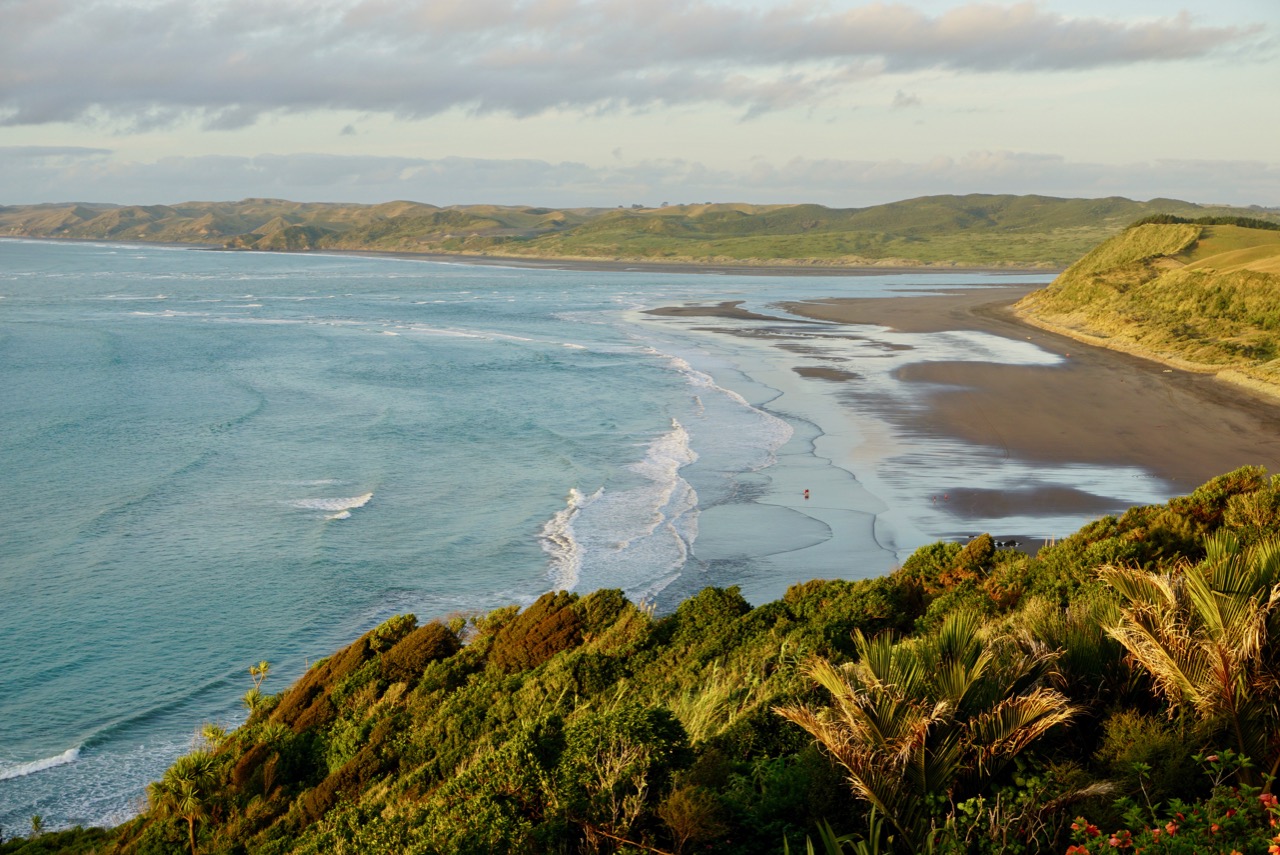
x=980 y=698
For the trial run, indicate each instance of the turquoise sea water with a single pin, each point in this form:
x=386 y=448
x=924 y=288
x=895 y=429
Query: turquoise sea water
x=211 y=459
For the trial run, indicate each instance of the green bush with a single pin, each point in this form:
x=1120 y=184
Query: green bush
x=1147 y=754
x=541 y=631
x=405 y=662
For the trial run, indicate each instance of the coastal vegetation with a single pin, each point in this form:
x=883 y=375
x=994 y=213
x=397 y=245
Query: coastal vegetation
x=974 y=230
x=1202 y=295
x=1116 y=690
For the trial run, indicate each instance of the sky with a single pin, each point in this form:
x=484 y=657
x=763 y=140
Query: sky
x=570 y=103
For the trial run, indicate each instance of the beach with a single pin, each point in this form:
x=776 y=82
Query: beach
x=1086 y=408
x=1098 y=406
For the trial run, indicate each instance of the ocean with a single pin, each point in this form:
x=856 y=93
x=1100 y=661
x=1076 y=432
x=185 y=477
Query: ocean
x=214 y=458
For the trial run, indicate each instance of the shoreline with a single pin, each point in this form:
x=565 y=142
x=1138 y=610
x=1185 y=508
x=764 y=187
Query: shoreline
x=1099 y=405
x=579 y=264
x=1060 y=436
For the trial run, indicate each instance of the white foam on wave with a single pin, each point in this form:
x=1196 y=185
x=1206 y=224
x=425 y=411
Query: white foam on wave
x=560 y=542
x=441 y=331
x=668 y=454
x=21 y=770
x=773 y=431
x=637 y=538
x=342 y=506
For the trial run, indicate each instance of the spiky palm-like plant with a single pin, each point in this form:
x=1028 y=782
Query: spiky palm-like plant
x=1208 y=636
x=924 y=720
x=185 y=789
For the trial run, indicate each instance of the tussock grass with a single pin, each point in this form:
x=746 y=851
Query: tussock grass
x=1203 y=297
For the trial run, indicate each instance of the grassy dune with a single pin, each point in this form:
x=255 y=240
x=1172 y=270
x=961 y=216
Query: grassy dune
x=1202 y=297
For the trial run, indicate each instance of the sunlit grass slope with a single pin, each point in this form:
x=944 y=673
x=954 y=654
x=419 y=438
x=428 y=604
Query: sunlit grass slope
x=1204 y=296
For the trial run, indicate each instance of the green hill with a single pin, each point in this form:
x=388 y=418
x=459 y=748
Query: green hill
x=976 y=230
x=972 y=696
x=1201 y=296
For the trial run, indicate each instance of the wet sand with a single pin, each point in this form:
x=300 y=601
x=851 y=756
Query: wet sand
x=1098 y=406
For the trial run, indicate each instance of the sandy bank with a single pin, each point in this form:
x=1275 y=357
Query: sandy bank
x=1099 y=406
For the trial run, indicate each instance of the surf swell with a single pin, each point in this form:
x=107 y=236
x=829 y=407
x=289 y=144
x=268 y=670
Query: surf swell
x=340 y=505
x=21 y=770
x=561 y=544
x=637 y=538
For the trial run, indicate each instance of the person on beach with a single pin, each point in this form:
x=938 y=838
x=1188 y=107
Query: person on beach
x=806 y=493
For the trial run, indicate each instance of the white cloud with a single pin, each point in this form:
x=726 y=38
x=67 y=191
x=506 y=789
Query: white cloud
x=148 y=63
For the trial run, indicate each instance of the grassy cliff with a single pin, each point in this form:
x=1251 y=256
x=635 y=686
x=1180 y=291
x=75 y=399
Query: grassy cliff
x=975 y=230
x=1200 y=296
x=979 y=698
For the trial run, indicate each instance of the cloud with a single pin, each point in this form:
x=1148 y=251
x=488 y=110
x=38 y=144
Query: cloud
x=903 y=100
x=88 y=174
x=59 y=153
x=138 y=64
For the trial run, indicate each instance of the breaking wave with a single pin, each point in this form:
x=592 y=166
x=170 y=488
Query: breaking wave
x=560 y=543
x=342 y=507
x=21 y=770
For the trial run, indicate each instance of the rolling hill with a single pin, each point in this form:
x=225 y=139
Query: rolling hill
x=963 y=231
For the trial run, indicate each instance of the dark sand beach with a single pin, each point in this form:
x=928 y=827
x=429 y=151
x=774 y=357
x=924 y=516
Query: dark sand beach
x=1098 y=406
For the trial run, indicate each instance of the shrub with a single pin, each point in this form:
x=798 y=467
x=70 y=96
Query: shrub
x=1145 y=753
x=617 y=764
x=600 y=609
x=1233 y=819
x=406 y=661
x=541 y=631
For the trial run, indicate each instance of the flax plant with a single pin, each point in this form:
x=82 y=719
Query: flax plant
x=918 y=724
x=1208 y=636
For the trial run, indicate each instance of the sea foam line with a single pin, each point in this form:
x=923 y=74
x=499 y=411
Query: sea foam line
x=342 y=506
x=775 y=431
x=668 y=454
x=21 y=770
x=560 y=542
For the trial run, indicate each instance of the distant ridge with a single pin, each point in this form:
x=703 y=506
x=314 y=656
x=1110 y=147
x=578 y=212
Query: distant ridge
x=949 y=231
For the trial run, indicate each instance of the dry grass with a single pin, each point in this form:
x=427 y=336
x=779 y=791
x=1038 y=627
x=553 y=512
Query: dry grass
x=1138 y=293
